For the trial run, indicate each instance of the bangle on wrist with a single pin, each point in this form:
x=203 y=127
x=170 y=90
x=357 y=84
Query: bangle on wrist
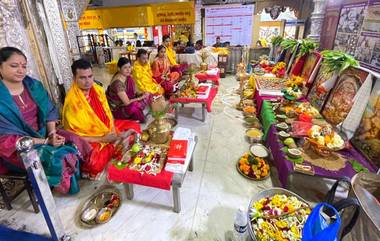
x=46 y=141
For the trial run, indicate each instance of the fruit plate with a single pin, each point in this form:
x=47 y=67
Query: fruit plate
x=100 y=207
x=264 y=194
x=251 y=177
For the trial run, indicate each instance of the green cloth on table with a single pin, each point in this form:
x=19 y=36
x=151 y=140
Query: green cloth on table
x=268 y=117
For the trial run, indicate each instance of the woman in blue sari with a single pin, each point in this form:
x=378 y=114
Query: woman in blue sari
x=26 y=110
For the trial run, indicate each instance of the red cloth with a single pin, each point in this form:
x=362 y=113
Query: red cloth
x=204 y=77
x=162 y=180
x=297 y=68
x=98 y=107
x=208 y=101
x=100 y=156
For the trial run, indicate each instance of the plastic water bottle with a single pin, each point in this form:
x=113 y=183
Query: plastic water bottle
x=240 y=225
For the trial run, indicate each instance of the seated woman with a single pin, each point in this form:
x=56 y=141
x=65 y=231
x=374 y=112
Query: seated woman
x=161 y=72
x=26 y=110
x=171 y=54
x=122 y=97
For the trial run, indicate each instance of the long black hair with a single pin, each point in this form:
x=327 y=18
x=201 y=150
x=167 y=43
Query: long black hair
x=7 y=52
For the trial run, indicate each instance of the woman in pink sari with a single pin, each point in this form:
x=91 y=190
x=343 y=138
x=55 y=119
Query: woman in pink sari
x=162 y=74
x=122 y=97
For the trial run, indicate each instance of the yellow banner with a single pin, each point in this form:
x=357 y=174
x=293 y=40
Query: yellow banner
x=173 y=13
x=91 y=19
x=138 y=16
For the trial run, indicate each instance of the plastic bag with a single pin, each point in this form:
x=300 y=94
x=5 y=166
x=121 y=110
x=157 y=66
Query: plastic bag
x=317 y=228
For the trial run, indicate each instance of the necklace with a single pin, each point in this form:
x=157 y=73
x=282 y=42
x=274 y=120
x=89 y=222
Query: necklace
x=24 y=106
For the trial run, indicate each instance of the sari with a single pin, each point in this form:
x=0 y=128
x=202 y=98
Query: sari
x=61 y=164
x=171 y=54
x=93 y=118
x=132 y=111
x=160 y=68
x=143 y=76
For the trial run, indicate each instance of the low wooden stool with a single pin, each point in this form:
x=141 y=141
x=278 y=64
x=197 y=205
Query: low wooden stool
x=26 y=186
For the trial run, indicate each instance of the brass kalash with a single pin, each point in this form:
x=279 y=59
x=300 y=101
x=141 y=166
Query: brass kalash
x=159 y=130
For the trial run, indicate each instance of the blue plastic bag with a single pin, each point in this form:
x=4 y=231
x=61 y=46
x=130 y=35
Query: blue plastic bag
x=317 y=228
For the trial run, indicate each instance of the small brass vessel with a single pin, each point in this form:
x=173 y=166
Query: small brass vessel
x=203 y=66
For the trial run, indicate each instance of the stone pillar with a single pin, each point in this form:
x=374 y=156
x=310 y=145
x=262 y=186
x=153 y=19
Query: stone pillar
x=61 y=48
x=198 y=21
x=317 y=17
x=72 y=11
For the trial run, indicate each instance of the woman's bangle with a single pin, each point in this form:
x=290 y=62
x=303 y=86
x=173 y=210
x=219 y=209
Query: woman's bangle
x=46 y=141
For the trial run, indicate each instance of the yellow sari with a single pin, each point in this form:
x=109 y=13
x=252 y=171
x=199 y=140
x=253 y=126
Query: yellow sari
x=142 y=74
x=171 y=55
x=79 y=117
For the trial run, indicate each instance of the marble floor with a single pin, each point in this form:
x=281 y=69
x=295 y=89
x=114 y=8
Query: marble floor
x=210 y=194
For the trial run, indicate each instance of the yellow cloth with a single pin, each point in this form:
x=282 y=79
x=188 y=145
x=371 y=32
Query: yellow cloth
x=183 y=38
x=171 y=55
x=142 y=74
x=79 y=117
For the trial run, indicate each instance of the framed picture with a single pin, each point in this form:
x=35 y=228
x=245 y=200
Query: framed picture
x=309 y=66
x=342 y=95
x=320 y=89
x=367 y=136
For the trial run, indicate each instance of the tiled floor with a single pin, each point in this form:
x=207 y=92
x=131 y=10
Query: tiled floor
x=210 y=194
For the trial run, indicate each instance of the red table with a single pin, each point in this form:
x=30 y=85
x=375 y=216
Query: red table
x=206 y=102
x=202 y=77
x=163 y=180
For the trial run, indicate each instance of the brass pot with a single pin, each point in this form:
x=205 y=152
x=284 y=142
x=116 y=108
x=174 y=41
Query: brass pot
x=203 y=66
x=159 y=130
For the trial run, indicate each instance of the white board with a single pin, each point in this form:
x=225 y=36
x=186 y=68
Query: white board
x=233 y=23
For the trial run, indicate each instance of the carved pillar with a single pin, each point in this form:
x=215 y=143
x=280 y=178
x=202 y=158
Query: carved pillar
x=60 y=44
x=72 y=11
x=317 y=19
x=198 y=21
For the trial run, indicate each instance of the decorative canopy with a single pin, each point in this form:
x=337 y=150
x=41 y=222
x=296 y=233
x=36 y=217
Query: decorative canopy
x=275 y=7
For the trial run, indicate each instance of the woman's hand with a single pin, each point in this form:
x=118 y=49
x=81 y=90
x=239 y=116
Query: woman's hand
x=55 y=140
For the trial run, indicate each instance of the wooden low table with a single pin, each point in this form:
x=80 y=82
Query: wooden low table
x=164 y=180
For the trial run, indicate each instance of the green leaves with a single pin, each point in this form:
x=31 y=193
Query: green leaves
x=276 y=40
x=289 y=43
x=357 y=166
x=307 y=46
x=336 y=60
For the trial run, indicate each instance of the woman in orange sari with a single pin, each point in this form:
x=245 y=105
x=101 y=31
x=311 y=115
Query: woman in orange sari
x=162 y=74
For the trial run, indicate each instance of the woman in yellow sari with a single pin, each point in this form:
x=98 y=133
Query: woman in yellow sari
x=143 y=76
x=171 y=54
x=161 y=72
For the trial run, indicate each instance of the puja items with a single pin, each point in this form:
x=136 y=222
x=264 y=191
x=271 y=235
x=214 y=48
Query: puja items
x=100 y=207
x=277 y=214
x=254 y=135
x=294 y=88
x=253 y=167
x=323 y=140
x=148 y=159
x=188 y=90
x=204 y=55
x=279 y=70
